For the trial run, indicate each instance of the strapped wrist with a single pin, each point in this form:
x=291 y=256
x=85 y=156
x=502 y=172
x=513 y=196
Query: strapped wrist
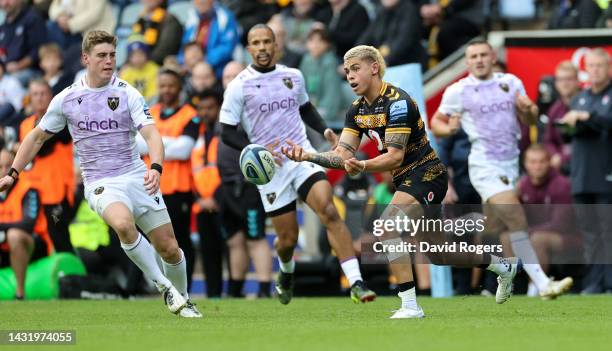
x=13 y=173
x=157 y=167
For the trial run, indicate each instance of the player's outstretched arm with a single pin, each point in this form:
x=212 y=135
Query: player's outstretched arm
x=443 y=126
x=28 y=149
x=347 y=147
x=391 y=160
x=527 y=111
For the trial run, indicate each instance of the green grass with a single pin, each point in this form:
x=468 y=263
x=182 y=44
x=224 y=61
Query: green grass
x=469 y=323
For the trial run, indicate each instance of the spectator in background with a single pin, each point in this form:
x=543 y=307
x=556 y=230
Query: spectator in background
x=51 y=64
x=21 y=218
x=573 y=14
x=161 y=31
x=21 y=35
x=590 y=116
x=396 y=33
x=192 y=54
x=178 y=126
x=11 y=98
x=319 y=67
x=567 y=85
x=552 y=228
x=140 y=71
x=207 y=194
x=453 y=152
x=297 y=20
x=215 y=29
x=51 y=172
x=285 y=55
x=345 y=20
x=70 y=19
x=451 y=24
x=231 y=70
x=202 y=78
x=605 y=21
x=251 y=12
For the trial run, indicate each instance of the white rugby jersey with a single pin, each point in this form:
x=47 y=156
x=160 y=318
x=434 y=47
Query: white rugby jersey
x=267 y=105
x=488 y=114
x=103 y=123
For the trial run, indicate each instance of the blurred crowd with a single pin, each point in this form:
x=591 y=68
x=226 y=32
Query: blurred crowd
x=182 y=54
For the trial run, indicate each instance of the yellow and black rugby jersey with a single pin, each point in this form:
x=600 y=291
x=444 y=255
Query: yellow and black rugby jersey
x=393 y=111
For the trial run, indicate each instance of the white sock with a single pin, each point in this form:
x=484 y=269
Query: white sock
x=408 y=298
x=532 y=290
x=522 y=248
x=177 y=274
x=143 y=255
x=287 y=267
x=351 y=270
x=498 y=265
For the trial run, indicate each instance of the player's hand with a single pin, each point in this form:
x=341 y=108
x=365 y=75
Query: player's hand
x=278 y=158
x=208 y=205
x=454 y=123
x=522 y=102
x=451 y=196
x=151 y=181
x=331 y=137
x=294 y=152
x=570 y=118
x=354 y=166
x=6 y=182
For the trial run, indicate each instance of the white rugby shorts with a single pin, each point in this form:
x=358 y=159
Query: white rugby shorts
x=490 y=177
x=149 y=211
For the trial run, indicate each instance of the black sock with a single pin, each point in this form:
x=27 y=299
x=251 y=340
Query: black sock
x=235 y=288
x=264 y=289
x=405 y=286
x=424 y=292
x=486 y=261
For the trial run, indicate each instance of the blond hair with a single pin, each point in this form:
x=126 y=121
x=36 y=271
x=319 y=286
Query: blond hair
x=96 y=37
x=567 y=65
x=50 y=49
x=367 y=53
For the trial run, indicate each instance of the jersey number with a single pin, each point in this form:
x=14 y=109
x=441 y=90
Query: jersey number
x=374 y=136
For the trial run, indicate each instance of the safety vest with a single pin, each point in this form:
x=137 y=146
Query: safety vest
x=177 y=174
x=11 y=211
x=52 y=175
x=204 y=165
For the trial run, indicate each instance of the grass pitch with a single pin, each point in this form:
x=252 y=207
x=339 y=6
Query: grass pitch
x=468 y=323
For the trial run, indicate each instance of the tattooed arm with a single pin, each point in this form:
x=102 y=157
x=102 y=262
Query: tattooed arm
x=347 y=146
x=392 y=159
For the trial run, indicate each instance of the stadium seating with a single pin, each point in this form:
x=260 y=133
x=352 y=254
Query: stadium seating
x=181 y=10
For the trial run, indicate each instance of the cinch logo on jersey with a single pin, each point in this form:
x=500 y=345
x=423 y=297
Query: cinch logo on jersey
x=88 y=125
x=284 y=104
x=497 y=107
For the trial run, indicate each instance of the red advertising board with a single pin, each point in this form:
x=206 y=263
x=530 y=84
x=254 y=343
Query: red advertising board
x=533 y=59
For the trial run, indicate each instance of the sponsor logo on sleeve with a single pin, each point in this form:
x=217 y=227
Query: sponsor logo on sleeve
x=397 y=110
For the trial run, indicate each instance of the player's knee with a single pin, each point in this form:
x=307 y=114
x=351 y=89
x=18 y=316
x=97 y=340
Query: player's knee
x=18 y=238
x=124 y=227
x=539 y=239
x=169 y=251
x=285 y=240
x=329 y=214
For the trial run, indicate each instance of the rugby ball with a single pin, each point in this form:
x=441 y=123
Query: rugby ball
x=257 y=164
